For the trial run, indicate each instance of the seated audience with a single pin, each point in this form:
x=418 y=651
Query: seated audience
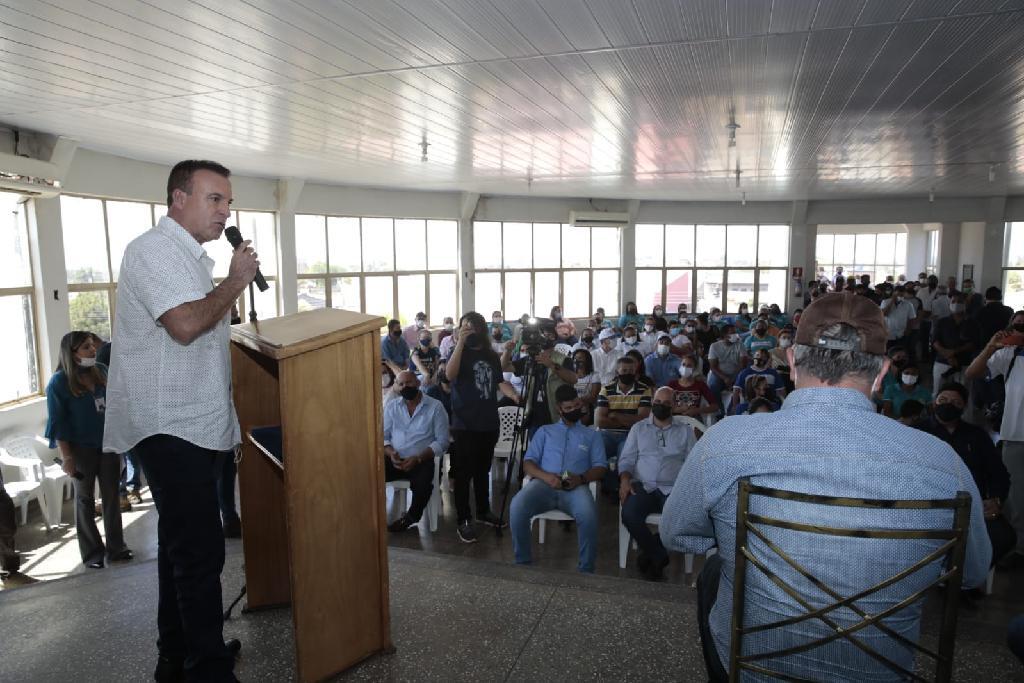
x=630 y=339
x=588 y=383
x=387 y=383
x=650 y=462
x=957 y=341
x=756 y=388
x=447 y=344
x=779 y=358
x=412 y=333
x=847 y=450
x=907 y=388
x=649 y=336
x=565 y=328
x=691 y=395
x=641 y=369
x=898 y=359
x=620 y=405
x=446 y=331
x=913 y=414
x=562 y=459
x=661 y=366
x=607 y=355
x=975 y=448
x=504 y=332
x=415 y=431
x=759 y=368
x=630 y=317
x=727 y=357
x=588 y=340
x=441 y=389
x=682 y=313
x=424 y=358
x=393 y=348
x=760 y=405
x=759 y=338
x=598 y=322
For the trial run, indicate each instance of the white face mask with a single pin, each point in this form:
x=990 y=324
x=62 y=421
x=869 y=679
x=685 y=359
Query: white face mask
x=497 y=321
x=909 y=380
x=648 y=328
x=662 y=350
x=734 y=337
x=785 y=342
x=630 y=341
x=688 y=329
x=956 y=308
x=449 y=326
x=421 y=323
x=87 y=362
x=685 y=371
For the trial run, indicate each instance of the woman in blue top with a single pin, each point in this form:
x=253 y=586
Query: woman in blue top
x=75 y=404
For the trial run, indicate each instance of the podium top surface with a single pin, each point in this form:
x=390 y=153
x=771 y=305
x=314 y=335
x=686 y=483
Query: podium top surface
x=298 y=333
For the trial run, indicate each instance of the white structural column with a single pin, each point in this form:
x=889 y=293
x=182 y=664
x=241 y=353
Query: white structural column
x=467 y=264
x=627 y=247
x=46 y=240
x=995 y=243
x=803 y=237
x=288 y=192
x=949 y=252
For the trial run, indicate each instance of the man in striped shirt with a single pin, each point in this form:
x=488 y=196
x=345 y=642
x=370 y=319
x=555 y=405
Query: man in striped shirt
x=620 y=405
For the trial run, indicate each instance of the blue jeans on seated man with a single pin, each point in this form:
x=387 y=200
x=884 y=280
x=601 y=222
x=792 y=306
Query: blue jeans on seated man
x=537 y=497
x=634 y=516
x=613 y=440
x=131 y=474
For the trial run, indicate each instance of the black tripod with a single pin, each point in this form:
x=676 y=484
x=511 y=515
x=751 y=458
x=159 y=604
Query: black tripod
x=520 y=436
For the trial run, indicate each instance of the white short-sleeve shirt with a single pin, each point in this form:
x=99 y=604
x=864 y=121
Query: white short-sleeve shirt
x=1012 y=428
x=156 y=384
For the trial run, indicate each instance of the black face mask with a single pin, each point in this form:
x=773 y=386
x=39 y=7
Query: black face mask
x=589 y=341
x=627 y=379
x=761 y=330
x=409 y=393
x=661 y=411
x=573 y=415
x=948 y=412
x=1019 y=327
x=396 y=333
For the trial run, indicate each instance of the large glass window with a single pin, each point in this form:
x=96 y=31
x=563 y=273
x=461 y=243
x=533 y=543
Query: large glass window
x=684 y=264
x=18 y=344
x=1013 y=267
x=97 y=232
x=531 y=267
x=392 y=267
x=878 y=255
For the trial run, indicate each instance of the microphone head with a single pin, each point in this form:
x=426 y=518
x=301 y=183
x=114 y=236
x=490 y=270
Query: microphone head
x=233 y=235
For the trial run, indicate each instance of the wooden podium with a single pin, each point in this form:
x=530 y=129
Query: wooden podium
x=313 y=522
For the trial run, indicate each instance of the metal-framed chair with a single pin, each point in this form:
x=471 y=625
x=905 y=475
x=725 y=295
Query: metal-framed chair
x=951 y=550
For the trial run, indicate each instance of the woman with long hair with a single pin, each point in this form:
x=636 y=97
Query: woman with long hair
x=76 y=404
x=588 y=383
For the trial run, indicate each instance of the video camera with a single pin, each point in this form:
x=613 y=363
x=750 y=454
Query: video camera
x=537 y=336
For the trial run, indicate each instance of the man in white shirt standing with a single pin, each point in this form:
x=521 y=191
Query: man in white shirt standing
x=606 y=356
x=898 y=314
x=169 y=400
x=1002 y=357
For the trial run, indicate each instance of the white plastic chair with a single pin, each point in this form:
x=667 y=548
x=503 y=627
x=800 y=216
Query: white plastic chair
x=507 y=425
x=402 y=486
x=58 y=485
x=554 y=515
x=32 y=486
x=655 y=518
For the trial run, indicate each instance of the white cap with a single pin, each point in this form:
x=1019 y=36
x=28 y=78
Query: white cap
x=563 y=349
x=607 y=333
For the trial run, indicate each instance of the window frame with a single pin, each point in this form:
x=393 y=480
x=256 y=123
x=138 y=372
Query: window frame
x=697 y=268
x=850 y=268
x=362 y=273
x=30 y=291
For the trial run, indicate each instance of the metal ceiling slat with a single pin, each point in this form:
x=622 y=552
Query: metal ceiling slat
x=492 y=26
x=793 y=15
x=834 y=13
x=576 y=22
x=532 y=22
x=619 y=22
x=748 y=17
x=880 y=11
x=441 y=25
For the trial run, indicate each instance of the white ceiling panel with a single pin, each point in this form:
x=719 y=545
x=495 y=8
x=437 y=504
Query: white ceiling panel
x=831 y=98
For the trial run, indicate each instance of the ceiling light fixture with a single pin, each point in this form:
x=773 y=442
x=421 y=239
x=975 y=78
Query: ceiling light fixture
x=931 y=195
x=732 y=126
x=738 y=173
x=743 y=199
x=423 y=146
x=991 y=173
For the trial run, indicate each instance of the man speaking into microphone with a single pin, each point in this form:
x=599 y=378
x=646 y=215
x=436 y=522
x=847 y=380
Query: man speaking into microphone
x=169 y=401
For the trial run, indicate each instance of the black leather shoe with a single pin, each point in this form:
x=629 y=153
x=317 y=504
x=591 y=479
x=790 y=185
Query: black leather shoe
x=400 y=524
x=233 y=528
x=234 y=646
x=123 y=556
x=169 y=670
x=95 y=564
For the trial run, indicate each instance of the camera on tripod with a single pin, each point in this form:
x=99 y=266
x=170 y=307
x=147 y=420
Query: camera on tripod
x=538 y=335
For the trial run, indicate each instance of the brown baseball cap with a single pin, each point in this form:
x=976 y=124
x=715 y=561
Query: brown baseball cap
x=859 y=312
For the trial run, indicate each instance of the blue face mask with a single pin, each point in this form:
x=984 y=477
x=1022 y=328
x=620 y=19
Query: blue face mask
x=425 y=343
x=673 y=331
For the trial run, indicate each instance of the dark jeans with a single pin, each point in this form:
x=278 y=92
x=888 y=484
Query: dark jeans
x=226 y=489
x=474 y=452
x=190 y=554
x=707 y=594
x=106 y=467
x=1002 y=536
x=9 y=560
x=1015 y=636
x=634 y=514
x=421 y=481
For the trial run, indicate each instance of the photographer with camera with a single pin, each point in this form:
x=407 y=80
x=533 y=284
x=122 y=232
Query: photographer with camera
x=547 y=368
x=563 y=458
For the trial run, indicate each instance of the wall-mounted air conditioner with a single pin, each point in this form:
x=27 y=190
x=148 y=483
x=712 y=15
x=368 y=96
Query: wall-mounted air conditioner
x=36 y=177
x=598 y=219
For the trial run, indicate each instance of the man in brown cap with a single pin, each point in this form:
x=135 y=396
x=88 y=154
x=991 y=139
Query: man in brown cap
x=827 y=440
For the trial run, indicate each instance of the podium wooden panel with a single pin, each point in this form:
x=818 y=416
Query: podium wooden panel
x=313 y=525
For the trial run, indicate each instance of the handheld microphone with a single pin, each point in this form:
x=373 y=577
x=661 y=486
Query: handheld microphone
x=235 y=238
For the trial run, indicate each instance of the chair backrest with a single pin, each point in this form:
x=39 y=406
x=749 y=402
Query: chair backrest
x=951 y=549
x=509 y=419
x=24 y=447
x=697 y=425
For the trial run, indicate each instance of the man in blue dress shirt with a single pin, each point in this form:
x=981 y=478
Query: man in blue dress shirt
x=415 y=432
x=563 y=459
x=827 y=440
